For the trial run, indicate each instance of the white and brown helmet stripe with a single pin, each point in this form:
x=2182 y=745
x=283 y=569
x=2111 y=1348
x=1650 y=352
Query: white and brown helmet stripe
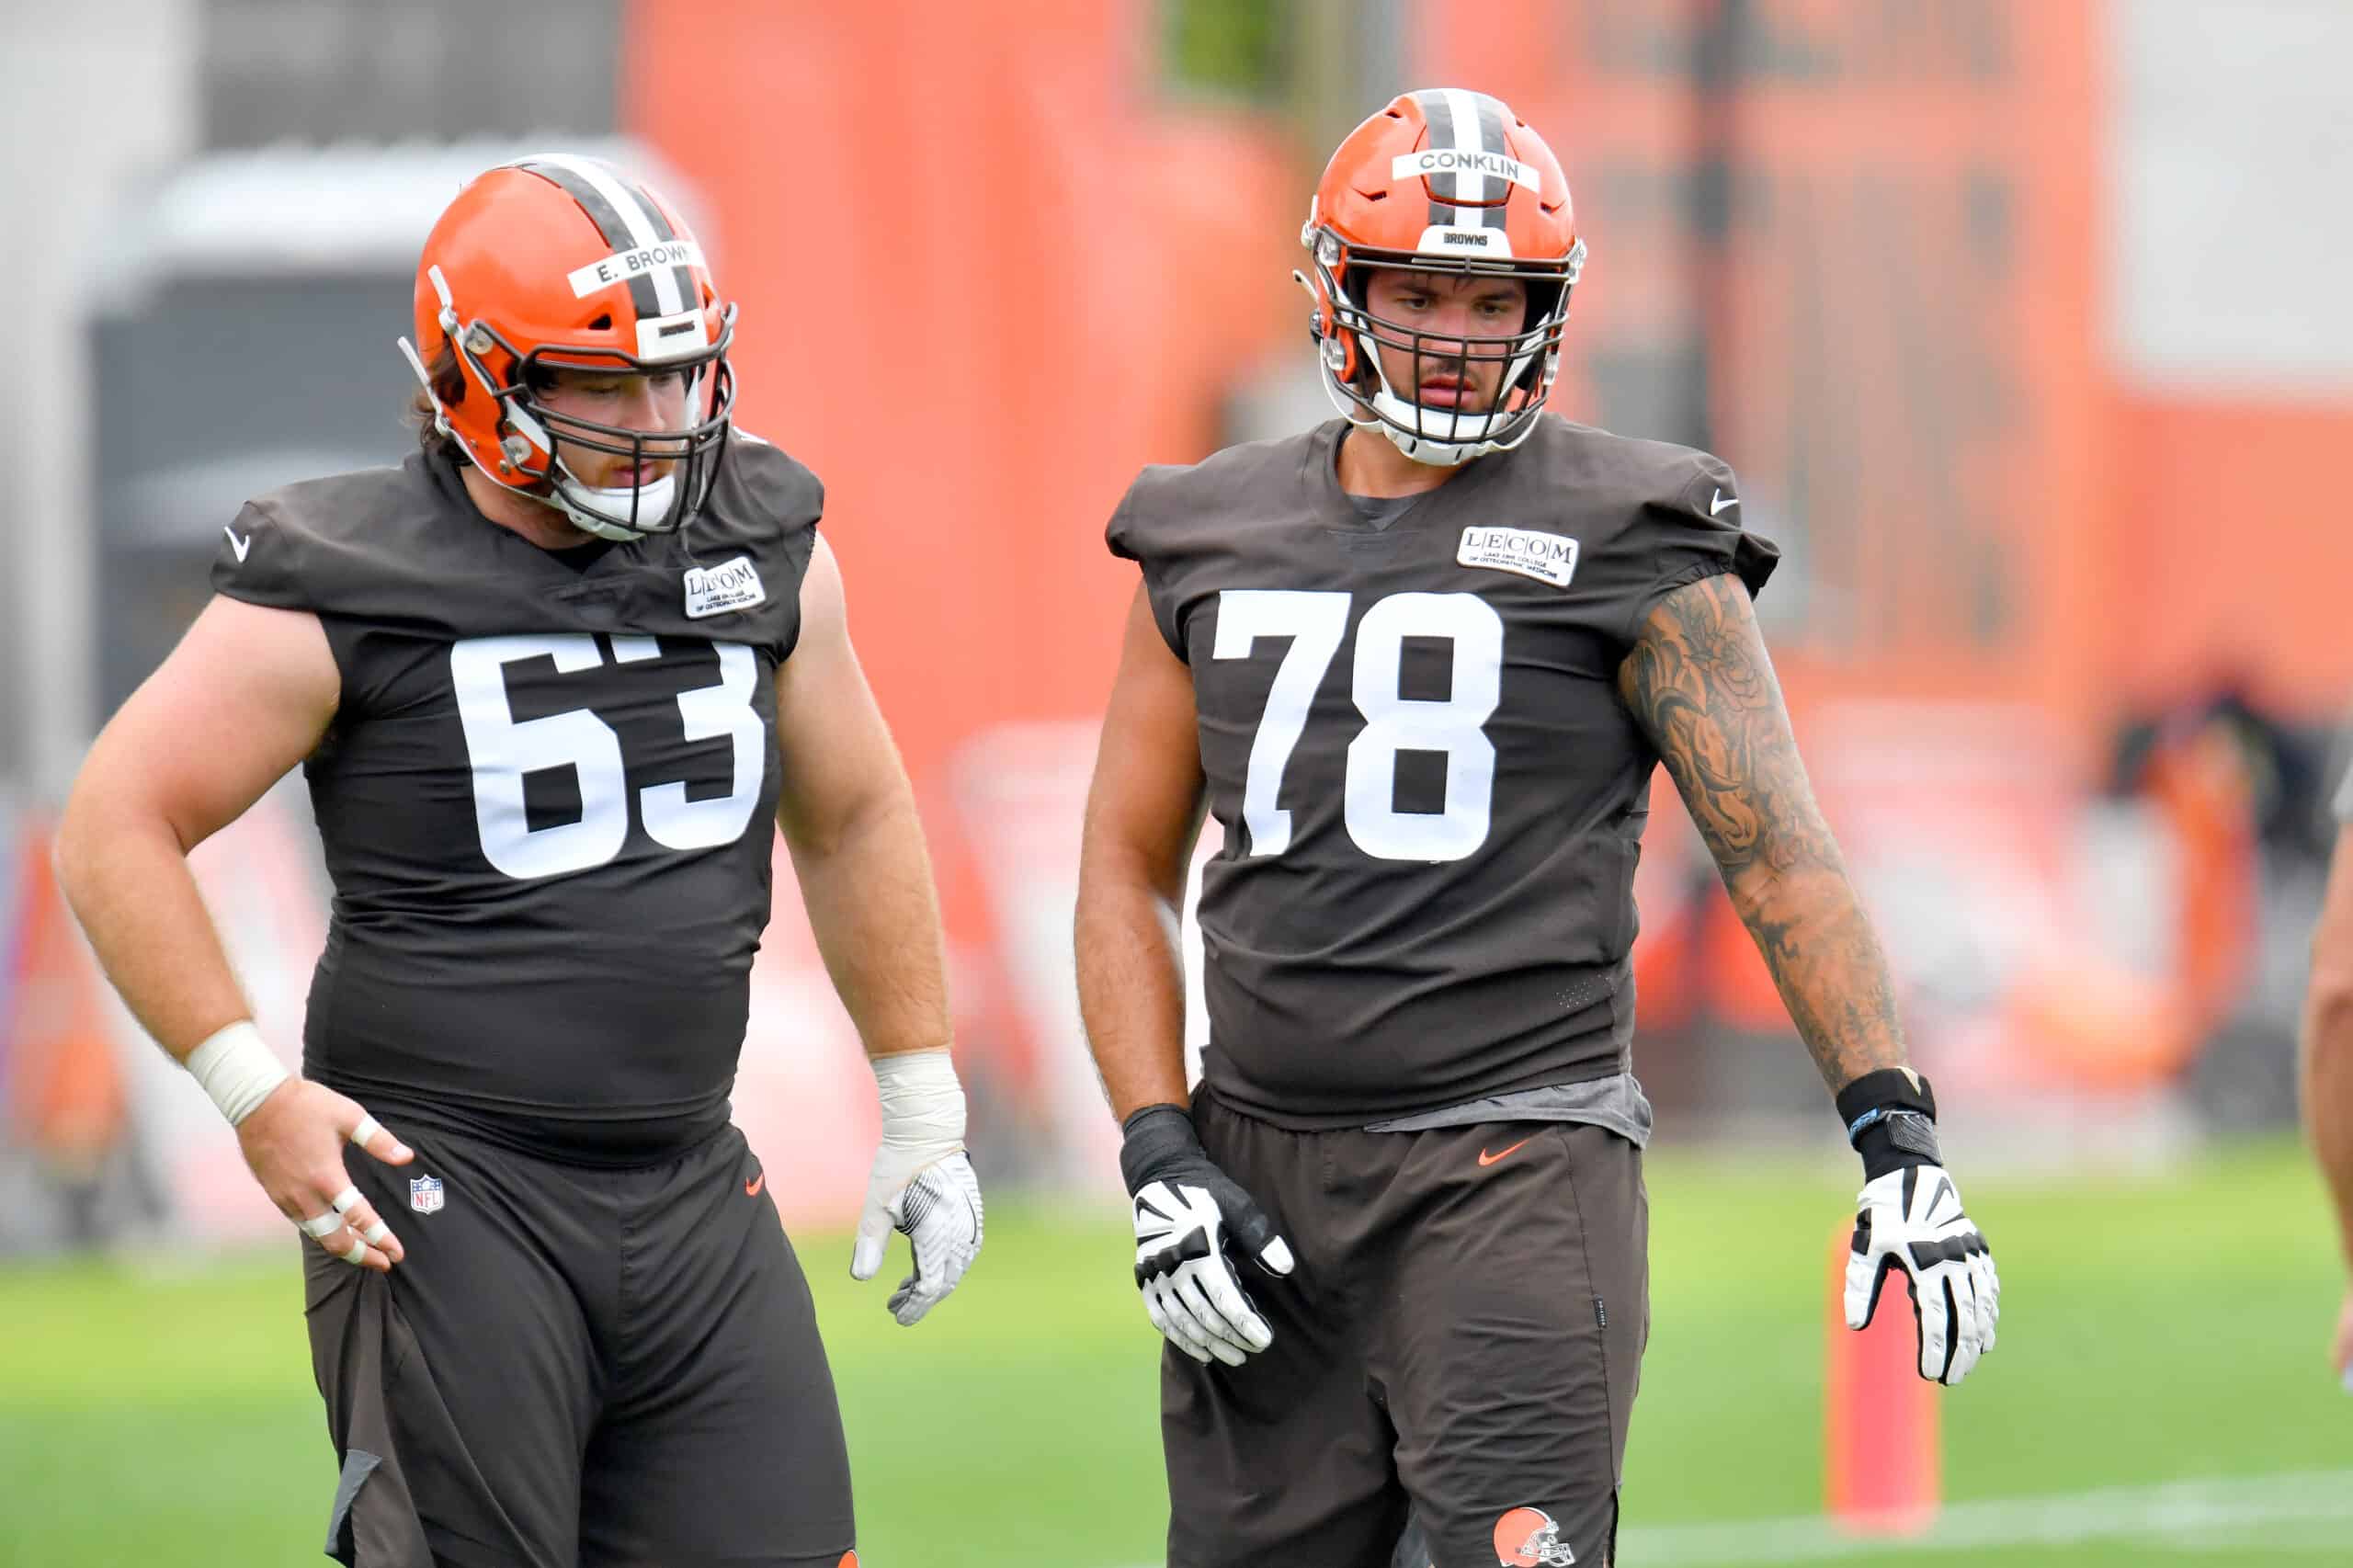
x=630 y=220
x=1467 y=192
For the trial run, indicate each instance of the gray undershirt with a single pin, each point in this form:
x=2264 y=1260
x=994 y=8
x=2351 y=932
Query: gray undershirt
x=1617 y=1103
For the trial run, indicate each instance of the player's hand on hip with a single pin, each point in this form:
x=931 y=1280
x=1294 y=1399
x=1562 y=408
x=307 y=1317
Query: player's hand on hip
x=293 y=1144
x=1190 y=1218
x=921 y=1185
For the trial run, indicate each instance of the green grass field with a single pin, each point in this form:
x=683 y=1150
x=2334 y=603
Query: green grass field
x=2153 y=1330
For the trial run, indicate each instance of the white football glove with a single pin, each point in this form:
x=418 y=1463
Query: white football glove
x=1911 y=1219
x=922 y=1183
x=1185 y=1212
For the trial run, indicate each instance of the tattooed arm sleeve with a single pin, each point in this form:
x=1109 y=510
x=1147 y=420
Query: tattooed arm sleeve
x=1700 y=685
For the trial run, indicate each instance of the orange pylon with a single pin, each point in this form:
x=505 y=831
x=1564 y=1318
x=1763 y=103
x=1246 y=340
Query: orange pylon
x=65 y=1087
x=1883 y=1459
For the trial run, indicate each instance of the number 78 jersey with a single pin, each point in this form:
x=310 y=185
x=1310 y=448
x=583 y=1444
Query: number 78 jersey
x=1432 y=795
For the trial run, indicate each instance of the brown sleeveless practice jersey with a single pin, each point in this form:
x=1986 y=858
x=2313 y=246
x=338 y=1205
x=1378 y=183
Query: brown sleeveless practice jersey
x=1432 y=794
x=547 y=800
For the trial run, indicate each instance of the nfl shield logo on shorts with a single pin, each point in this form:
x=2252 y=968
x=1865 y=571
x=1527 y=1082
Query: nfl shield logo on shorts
x=424 y=1194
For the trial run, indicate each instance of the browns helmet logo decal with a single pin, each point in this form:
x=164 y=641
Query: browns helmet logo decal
x=1526 y=1538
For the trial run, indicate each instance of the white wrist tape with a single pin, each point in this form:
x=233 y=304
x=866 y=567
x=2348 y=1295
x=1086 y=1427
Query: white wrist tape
x=922 y=1104
x=236 y=1067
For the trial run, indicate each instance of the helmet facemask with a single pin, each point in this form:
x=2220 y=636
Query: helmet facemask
x=528 y=460
x=625 y=512
x=1350 y=338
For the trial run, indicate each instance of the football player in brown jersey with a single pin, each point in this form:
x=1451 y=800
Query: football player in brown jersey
x=555 y=682
x=1420 y=664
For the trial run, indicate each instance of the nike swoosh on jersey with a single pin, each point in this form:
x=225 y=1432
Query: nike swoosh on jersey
x=752 y=1188
x=1488 y=1159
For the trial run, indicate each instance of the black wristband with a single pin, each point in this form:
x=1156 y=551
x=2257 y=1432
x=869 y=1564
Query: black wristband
x=1153 y=1136
x=1891 y=1120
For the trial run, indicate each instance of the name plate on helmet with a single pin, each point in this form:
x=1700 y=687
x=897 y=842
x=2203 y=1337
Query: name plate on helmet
x=1427 y=161
x=1454 y=239
x=730 y=586
x=678 y=336
x=624 y=265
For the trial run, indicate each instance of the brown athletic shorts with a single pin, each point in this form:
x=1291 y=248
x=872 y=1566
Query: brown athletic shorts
x=578 y=1369
x=1461 y=1337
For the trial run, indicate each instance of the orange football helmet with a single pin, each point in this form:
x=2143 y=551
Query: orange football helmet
x=1445 y=181
x=556 y=262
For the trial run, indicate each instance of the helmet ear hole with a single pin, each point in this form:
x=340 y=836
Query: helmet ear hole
x=604 y=323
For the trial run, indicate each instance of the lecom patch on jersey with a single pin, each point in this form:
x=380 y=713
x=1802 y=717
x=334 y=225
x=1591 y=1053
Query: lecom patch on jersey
x=1547 y=558
x=715 y=590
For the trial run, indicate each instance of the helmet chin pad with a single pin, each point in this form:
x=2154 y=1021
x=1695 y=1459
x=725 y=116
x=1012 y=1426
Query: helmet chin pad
x=1351 y=340
x=1401 y=421
x=622 y=512
x=1436 y=437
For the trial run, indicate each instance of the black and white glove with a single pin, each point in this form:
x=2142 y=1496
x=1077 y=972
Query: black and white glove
x=1909 y=1218
x=1189 y=1217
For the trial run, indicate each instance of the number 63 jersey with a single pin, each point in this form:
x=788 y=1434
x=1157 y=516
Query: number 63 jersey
x=1432 y=794
x=547 y=797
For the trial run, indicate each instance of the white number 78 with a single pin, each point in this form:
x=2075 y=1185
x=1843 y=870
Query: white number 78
x=1316 y=623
